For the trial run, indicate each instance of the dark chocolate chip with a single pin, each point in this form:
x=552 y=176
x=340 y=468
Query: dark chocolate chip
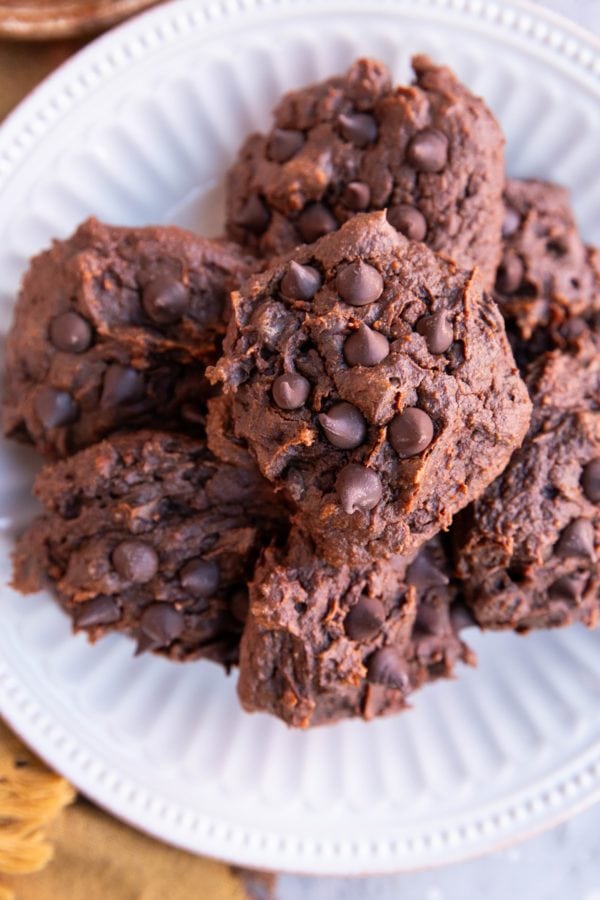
x=387 y=667
x=359 y=283
x=510 y=273
x=359 y=128
x=254 y=215
x=122 y=384
x=590 y=480
x=101 y=610
x=566 y=588
x=165 y=299
x=573 y=328
x=427 y=151
x=461 y=616
x=290 y=391
x=364 y=619
x=356 y=196
x=284 y=143
x=366 y=347
x=408 y=221
x=70 y=332
x=144 y=643
x=410 y=432
x=423 y=573
x=577 y=539
x=511 y=221
x=431 y=618
x=200 y=577
x=437 y=331
x=314 y=221
x=358 y=488
x=300 y=282
x=55 y=408
x=344 y=426
x=135 y=561
x=161 y=623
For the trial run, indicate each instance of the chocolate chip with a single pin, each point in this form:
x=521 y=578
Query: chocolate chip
x=290 y=391
x=437 y=332
x=387 y=667
x=254 y=215
x=70 y=332
x=410 y=432
x=511 y=221
x=366 y=347
x=101 y=610
x=314 y=221
x=284 y=143
x=566 y=588
x=135 y=561
x=577 y=539
x=573 y=328
x=428 y=150
x=423 y=573
x=161 y=623
x=510 y=273
x=364 y=619
x=461 y=616
x=144 y=643
x=358 y=488
x=356 y=196
x=200 y=577
x=360 y=128
x=122 y=384
x=408 y=221
x=300 y=282
x=55 y=408
x=431 y=618
x=590 y=480
x=359 y=283
x=165 y=299
x=344 y=426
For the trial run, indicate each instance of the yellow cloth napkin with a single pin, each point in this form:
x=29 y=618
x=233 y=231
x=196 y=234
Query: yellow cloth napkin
x=30 y=798
x=74 y=851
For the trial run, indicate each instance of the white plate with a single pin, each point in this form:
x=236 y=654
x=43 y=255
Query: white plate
x=140 y=128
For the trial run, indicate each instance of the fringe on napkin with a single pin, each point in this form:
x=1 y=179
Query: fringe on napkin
x=31 y=796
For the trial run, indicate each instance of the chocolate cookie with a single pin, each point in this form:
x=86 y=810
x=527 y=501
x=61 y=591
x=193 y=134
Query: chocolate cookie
x=373 y=382
x=112 y=329
x=548 y=281
x=527 y=549
x=323 y=643
x=431 y=154
x=148 y=534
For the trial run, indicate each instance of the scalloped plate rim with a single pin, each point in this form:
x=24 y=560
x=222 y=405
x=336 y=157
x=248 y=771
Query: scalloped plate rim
x=17 y=706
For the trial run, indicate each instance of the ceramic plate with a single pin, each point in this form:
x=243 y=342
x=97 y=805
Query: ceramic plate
x=140 y=128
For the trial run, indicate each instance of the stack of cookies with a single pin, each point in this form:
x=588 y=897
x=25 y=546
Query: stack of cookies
x=319 y=450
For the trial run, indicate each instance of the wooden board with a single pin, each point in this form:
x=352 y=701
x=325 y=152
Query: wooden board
x=49 y=19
